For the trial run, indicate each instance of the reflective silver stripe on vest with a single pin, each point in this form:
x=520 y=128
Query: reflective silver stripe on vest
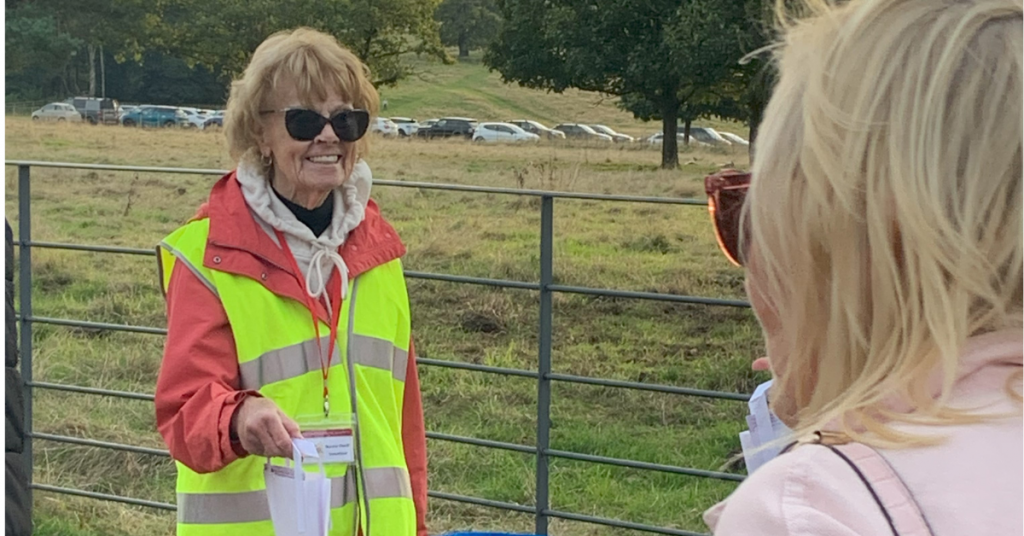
x=285 y=363
x=184 y=260
x=401 y=364
x=249 y=506
x=387 y=482
x=298 y=359
x=379 y=354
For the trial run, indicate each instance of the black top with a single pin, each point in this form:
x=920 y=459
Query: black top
x=317 y=219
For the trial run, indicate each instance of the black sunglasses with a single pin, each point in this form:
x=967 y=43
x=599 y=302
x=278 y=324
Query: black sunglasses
x=305 y=125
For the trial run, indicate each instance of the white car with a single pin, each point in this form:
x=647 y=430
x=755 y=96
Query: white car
x=384 y=126
x=407 y=126
x=502 y=132
x=196 y=117
x=656 y=139
x=57 y=111
x=736 y=140
x=706 y=135
x=617 y=137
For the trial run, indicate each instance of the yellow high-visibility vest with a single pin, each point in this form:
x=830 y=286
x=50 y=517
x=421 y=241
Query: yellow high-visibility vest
x=277 y=355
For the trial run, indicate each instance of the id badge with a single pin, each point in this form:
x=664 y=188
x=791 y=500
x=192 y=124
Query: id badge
x=333 y=437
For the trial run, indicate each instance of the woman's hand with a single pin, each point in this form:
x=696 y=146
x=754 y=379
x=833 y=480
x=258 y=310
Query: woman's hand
x=761 y=363
x=263 y=429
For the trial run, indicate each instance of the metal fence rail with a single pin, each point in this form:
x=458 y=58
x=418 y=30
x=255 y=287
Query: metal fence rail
x=544 y=376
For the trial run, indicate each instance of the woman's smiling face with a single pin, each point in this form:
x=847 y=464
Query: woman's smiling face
x=306 y=171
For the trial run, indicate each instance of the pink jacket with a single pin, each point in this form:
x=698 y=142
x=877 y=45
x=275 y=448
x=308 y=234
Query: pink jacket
x=969 y=484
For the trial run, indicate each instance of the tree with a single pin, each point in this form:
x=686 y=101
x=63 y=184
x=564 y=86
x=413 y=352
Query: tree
x=658 y=55
x=80 y=31
x=744 y=93
x=38 y=53
x=468 y=24
x=224 y=33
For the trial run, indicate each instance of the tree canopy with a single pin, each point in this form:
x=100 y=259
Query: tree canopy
x=54 y=46
x=468 y=24
x=663 y=58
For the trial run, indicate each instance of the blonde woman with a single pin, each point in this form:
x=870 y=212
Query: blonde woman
x=882 y=237
x=287 y=310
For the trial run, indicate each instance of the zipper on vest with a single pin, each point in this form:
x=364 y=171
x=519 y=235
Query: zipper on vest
x=356 y=425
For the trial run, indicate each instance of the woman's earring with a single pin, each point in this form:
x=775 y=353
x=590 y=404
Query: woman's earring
x=267 y=160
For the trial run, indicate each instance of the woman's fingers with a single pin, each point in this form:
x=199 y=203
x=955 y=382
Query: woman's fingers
x=761 y=363
x=264 y=430
x=290 y=426
x=277 y=436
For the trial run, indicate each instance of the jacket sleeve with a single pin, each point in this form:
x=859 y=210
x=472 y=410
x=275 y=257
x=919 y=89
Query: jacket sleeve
x=197 y=390
x=414 y=439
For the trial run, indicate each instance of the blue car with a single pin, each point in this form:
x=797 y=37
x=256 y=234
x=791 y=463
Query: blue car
x=155 y=116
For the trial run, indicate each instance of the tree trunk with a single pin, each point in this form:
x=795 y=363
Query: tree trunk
x=754 y=126
x=464 y=45
x=686 y=131
x=760 y=94
x=669 y=147
x=92 y=70
x=103 y=76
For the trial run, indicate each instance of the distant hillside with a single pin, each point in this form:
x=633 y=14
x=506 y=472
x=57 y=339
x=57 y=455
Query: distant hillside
x=468 y=88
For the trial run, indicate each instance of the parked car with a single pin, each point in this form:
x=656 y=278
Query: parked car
x=407 y=126
x=502 y=132
x=126 y=108
x=196 y=117
x=734 y=139
x=57 y=111
x=534 y=127
x=155 y=116
x=580 y=131
x=617 y=137
x=657 y=138
x=705 y=135
x=215 y=119
x=95 y=110
x=384 y=126
x=448 y=127
x=428 y=123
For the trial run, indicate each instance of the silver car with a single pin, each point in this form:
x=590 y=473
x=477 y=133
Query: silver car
x=57 y=111
x=617 y=137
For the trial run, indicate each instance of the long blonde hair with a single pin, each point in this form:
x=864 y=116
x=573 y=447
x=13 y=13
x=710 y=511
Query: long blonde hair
x=885 y=210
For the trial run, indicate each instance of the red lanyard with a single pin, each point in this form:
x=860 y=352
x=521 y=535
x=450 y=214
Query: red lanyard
x=325 y=365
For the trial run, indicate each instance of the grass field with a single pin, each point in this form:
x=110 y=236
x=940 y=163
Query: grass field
x=613 y=245
x=467 y=88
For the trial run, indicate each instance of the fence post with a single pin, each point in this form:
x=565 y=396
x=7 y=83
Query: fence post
x=544 y=363
x=25 y=307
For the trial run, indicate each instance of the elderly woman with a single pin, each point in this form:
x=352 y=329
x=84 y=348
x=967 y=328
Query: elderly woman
x=882 y=238
x=286 y=300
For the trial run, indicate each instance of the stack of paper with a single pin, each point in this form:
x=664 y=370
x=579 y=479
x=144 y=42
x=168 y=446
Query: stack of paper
x=300 y=502
x=764 y=429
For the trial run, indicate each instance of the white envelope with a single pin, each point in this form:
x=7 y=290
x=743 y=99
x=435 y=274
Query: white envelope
x=764 y=428
x=299 y=501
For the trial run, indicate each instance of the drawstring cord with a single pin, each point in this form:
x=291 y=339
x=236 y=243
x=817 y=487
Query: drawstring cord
x=315 y=269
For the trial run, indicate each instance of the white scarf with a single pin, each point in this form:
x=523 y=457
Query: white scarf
x=316 y=256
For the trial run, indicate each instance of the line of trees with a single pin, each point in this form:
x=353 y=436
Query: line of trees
x=63 y=47
x=674 y=61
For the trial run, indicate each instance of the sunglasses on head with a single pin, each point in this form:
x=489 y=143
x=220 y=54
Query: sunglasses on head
x=726 y=191
x=305 y=125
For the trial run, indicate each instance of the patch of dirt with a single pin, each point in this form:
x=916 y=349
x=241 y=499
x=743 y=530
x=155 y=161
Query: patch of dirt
x=481 y=322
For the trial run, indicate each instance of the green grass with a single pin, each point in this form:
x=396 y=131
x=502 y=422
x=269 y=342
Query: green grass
x=615 y=245
x=467 y=88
